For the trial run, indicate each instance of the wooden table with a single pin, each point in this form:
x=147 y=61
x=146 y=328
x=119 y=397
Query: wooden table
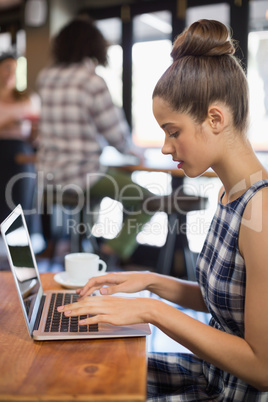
x=95 y=370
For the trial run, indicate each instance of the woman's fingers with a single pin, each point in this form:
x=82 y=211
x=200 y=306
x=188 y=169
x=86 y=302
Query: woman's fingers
x=97 y=283
x=127 y=282
x=111 y=310
x=90 y=320
x=110 y=290
x=91 y=305
x=95 y=308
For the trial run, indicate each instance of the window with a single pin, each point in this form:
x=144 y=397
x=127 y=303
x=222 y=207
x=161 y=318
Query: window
x=258 y=74
x=5 y=41
x=112 y=73
x=150 y=58
x=219 y=12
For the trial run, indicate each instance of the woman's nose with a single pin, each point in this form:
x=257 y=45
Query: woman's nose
x=166 y=148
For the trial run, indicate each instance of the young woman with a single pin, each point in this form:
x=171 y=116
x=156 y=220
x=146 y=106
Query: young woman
x=201 y=103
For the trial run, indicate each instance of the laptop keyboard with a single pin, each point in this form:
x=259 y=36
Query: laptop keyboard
x=57 y=322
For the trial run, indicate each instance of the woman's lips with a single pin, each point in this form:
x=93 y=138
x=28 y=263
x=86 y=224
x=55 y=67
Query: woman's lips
x=179 y=165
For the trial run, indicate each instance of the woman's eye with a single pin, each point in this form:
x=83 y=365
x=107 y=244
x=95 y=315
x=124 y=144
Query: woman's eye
x=174 y=135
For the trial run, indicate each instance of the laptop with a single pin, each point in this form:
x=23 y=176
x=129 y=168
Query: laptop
x=39 y=308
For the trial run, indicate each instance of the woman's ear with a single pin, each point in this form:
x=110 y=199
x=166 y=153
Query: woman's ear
x=216 y=118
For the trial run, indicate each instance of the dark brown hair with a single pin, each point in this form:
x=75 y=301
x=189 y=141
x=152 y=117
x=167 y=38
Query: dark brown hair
x=204 y=71
x=77 y=40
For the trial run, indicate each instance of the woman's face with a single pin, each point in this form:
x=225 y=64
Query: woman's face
x=189 y=143
x=8 y=73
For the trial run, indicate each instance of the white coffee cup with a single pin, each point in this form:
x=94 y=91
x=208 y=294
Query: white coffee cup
x=83 y=266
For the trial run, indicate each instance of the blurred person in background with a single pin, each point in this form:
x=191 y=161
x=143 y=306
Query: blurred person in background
x=78 y=118
x=18 y=130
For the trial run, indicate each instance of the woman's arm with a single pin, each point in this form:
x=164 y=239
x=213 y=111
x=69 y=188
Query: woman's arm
x=228 y=352
x=184 y=293
x=245 y=358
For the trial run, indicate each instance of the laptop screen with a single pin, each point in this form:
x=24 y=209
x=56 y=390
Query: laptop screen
x=22 y=264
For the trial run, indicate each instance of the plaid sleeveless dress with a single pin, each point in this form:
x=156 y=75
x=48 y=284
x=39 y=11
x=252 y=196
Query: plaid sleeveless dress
x=221 y=273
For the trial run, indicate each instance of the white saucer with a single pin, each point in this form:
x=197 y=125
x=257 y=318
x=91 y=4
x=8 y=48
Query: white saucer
x=64 y=280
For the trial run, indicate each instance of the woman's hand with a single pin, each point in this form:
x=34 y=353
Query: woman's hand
x=110 y=310
x=129 y=282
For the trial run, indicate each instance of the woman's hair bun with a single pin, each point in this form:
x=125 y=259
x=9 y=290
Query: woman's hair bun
x=203 y=38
